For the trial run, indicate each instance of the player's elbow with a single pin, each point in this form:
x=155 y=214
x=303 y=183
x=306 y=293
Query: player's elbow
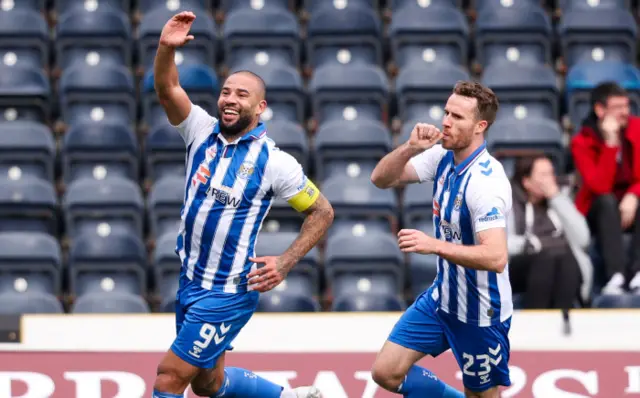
x=379 y=181
x=499 y=262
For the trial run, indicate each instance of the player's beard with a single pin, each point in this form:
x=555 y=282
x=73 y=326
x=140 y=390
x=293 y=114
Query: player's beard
x=459 y=141
x=232 y=130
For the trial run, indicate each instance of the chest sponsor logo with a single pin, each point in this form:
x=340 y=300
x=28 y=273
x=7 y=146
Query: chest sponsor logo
x=450 y=231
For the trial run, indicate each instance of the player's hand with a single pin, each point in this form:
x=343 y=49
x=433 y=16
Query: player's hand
x=176 y=31
x=424 y=136
x=414 y=241
x=268 y=276
x=628 y=209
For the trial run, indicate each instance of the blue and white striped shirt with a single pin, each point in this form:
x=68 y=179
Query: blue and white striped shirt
x=470 y=197
x=229 y=190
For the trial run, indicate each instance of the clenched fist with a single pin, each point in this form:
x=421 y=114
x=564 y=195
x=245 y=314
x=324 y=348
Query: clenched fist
x=176 y=31
x=424 y=136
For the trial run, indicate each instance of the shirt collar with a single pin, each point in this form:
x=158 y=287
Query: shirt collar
x=255 y=134
x=465 y=164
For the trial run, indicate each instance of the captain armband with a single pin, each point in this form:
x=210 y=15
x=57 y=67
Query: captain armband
x=306 y=197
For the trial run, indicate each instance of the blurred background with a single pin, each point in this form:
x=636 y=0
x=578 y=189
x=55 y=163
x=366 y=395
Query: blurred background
x=92 y=175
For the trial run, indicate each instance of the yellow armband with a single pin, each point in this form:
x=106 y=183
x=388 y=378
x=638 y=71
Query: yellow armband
x=306 y=197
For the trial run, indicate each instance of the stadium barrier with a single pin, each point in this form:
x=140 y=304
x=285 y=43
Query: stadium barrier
x=115 y=356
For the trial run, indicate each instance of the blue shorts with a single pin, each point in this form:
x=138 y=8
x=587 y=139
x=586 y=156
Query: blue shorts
x=207 y=322
x=481 y=352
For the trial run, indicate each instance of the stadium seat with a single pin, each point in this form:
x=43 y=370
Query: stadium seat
x=617 y=301
x=398 y=4
x=282 y=218
x=27 y=149
x=422 y=272
x=14 y=303
x=265 y=29
x=341 y=143
x=358 y=226
x=106 y=261
x=346 y=25
x=24 y=32
x=62 y=6
x=98 y=150
x=313 y=5
x=291 y=138
x=257 y=5
x=100 y=93
x=285 y=88
x=199 y=81
x=28 y=204
x=32 y=253
x=165 y=203
x=83 y=29
x=166 y=266
x=167 y=288
x=164 y=152
x=276 y=243
x=415 y=88
x=501 y=25
x=368 y=303
x=34 y=5
x=371 y=252
x=365 y=282
x=533 y=86
x=612 y=29
x=438 y=26
x=109 y=303
x=513 y=137
x=24 y=94
x=583 y=77
x=361 y=89
x=25 y=281
x=274 y=301
x=568 y=5
x=175 y=6
x=417 y=202
x=357 y=198
x=201 y=51
x=115 y=201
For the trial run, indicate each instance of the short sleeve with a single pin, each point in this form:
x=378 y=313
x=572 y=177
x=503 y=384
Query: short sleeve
x=489 y=202
x=290 y=182
x=426 y=163
x=198 y=122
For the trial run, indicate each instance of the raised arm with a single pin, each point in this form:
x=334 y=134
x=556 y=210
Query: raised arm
x=410 y=162
x=171 y=95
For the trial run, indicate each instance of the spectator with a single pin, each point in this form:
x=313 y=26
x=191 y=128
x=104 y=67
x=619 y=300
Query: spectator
x=548 y=238
x=606 y=152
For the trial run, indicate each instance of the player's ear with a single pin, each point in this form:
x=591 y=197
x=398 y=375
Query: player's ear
x=481 y=126
x=262 y=106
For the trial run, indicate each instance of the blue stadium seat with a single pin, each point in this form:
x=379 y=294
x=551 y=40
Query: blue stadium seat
x=24 y=94
x=368 y=303
x=199 y=81
x=146 y=6
x=32 y=253
x=83 y=89
x=441 y=27
x=531 y=85
x=25 y=31
x=365 y=88
x=417 y=202
x=568 y=5
x=33 y=5
x=583 y=77
x=511 y=137
x=27 y=148
x=165 y=203
x=612 y=29
x=364 y=282
x=267 y=28
x=28 y=204
x=276 y=243
x=523 y=24
x=282 y=218
x=110 y=303
x=260 y=56
x=285 y=88
x=26 y=281
x=115 y=201
x=113 y=261
x=164 y=152
x=274 y=301
x=291 y=138
x=99 y=150
x=422 y=272
x=358 y=226
x=354 y=26
x=166 y=266
x=313 y=5
x=617 y=301
x=371 y=252
x=415 y=88
x=257 y=5
x=29 y=303
x=62 y=6
x=167 y=288
x=357 y=198
x=344 y=142
x=202 y=50
x=105 y=29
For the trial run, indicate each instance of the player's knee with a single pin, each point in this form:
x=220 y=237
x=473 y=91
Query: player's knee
x=169 y=379
x=386 y=376
x=206 y=388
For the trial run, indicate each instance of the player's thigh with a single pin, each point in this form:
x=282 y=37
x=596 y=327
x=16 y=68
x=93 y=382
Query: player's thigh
x=482 y=354
x=493 y=392
x=208 y=381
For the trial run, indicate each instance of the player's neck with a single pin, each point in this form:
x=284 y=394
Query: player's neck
x=460 y=155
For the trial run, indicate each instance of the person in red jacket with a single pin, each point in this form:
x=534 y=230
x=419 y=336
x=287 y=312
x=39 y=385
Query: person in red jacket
x=606 y=152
